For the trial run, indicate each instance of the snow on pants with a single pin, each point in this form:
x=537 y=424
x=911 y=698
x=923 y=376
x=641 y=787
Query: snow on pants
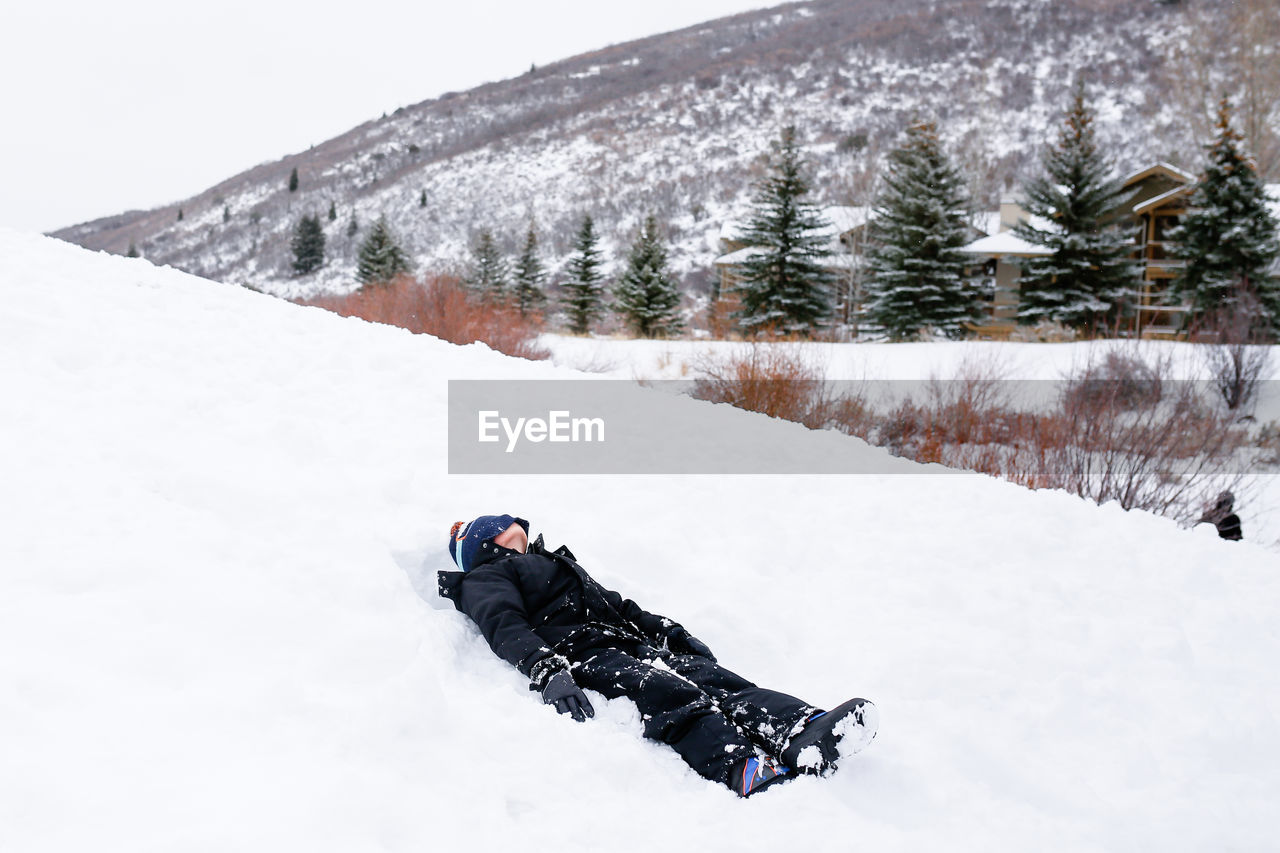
x=710 y=716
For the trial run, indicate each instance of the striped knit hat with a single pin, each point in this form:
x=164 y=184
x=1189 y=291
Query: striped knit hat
x=466 y=537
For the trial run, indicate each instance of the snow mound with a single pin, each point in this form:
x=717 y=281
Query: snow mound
x=223 y=514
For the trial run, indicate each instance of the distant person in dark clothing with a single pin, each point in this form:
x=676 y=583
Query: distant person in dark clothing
x=540 y=611
x=1222 y=517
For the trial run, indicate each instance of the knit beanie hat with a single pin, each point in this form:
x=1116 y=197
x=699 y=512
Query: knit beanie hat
x=466 y=537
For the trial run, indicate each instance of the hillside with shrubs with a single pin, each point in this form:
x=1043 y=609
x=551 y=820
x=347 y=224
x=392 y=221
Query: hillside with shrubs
x=678 y=127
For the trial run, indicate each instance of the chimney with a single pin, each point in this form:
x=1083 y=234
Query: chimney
x=1011 y=213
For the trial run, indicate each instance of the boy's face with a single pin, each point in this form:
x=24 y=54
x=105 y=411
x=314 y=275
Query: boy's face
x=514 y=538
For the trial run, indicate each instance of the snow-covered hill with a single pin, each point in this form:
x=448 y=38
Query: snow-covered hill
x=677 y=125
x=222 y=514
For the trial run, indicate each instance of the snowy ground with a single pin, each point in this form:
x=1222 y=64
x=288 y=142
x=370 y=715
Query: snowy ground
x=222 y=514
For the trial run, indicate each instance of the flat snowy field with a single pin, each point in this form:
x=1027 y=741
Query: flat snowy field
x=223 y=514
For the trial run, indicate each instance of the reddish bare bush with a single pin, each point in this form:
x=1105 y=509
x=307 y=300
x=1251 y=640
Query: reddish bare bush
x=1120 y=430
x=772 y=379
x=440 y=306
x=1135 y=436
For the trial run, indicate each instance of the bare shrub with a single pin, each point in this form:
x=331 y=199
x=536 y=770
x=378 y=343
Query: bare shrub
x=440 y=306
x=1117 y=382
x=1267 y=441
x=1121 y=430
x=1142 y=440
x=1046 y=331
x=774 y=379
x=1234 y=352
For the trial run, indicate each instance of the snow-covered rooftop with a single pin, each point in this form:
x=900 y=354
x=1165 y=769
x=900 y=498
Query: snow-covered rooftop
x=1173 y=172
x=1155 y=201
x=840 y=219
x=1004 y=243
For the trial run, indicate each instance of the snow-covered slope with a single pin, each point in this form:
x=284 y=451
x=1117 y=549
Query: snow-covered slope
x=221 y=518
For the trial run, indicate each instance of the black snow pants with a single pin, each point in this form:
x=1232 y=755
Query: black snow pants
x=713 y=718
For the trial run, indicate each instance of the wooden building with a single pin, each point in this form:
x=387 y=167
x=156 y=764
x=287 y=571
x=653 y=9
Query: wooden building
x=1154 y=201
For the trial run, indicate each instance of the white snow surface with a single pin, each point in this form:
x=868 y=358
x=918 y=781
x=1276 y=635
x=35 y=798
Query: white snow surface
x=223 y=514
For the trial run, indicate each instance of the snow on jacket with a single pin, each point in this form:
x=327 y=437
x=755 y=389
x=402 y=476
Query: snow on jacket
x=537 y=607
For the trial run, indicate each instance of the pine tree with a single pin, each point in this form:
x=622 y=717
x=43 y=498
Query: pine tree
x=422 y=199
x=226 y=213
x=785 y=284
x=352 y=225
x=583 y=298
x=133 y=250
x=1086 y=279
x=308 y=245
x=490 y=276
x=530 y=276
x=333 y=211
x=1228 y=239
x=381 y=258
x=293 y=180
x=180 y=214
x=917 y=273
x=646 y=296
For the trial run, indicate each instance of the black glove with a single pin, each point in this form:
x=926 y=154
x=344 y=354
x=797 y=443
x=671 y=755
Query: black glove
x=563 y=692
x=682 y=642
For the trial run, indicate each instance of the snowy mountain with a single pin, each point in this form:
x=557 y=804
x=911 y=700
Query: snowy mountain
x=678 y=125
x=223 y=514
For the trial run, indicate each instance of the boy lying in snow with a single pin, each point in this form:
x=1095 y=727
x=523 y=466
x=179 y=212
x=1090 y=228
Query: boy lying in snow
x=542 y=612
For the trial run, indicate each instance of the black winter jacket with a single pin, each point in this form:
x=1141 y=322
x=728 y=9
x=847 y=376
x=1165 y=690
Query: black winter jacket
x=534 y=608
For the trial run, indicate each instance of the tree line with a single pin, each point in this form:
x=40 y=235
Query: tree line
x=916 y=281
x=645 y=295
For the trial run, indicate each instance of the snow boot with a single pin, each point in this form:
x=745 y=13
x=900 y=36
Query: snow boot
x=754 y=774
x=829 y=734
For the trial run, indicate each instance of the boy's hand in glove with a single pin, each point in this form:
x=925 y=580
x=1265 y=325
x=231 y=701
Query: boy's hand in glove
x=682 y=642
x=563 y=692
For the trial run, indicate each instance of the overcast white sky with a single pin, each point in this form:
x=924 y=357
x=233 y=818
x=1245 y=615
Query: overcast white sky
x=109 y=106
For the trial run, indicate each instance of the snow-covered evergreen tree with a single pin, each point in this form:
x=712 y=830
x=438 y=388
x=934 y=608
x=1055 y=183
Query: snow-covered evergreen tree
x=381 y=258
x=308 y=245
x=1228 y=239
x=1087 y=279
x=583 y=298
x=530 y=276
x=917 y=279
x=490 y=276
x=786 y=286
x=646 y=295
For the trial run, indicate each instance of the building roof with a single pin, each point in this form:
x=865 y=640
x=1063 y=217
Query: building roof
x=846 y=218
x=835 y=261
x=840 y=218
x=1171 y=172
x=1155 y=201
x=1004 y=243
